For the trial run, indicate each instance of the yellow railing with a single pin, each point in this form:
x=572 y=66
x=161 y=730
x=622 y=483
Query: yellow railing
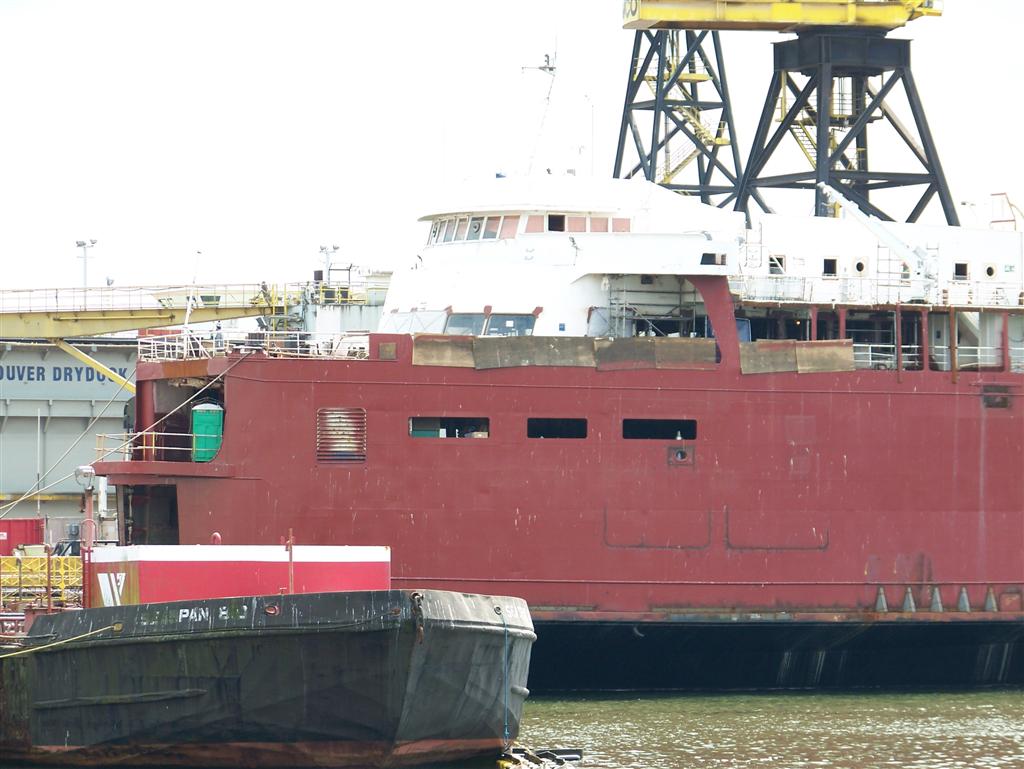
x=26 y=579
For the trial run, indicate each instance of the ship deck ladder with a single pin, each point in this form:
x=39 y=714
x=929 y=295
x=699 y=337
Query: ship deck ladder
x=679 y=158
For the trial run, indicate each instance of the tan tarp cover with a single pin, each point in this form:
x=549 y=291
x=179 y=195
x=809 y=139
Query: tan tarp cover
x=787 y=355
x=684 y=352
x=826 y=355
x=762 y=357
x=768 y=357
x=430 y=350
x=513 y=351
x=625 y=353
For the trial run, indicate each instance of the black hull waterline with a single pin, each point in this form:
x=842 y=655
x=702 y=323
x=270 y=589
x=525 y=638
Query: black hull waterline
x=704 y=655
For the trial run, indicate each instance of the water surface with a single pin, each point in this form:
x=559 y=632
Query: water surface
x=975 y=730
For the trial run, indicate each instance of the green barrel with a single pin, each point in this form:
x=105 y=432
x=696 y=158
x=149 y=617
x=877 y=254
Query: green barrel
x=207 y=431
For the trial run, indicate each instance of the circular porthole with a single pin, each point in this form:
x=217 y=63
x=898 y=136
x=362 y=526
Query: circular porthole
x=990 y=271
x=859 y=266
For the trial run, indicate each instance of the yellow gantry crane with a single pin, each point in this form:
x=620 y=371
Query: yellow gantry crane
x=58 y=314
x=830 y=85
x=778 y=15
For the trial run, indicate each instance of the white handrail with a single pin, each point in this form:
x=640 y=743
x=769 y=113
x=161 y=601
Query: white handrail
x=277 y=344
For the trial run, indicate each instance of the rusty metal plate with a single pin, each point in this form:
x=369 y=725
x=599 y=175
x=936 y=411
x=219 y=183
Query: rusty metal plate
x=514 y=351
x=626 y=353
x=437 y=350
x=684 y=352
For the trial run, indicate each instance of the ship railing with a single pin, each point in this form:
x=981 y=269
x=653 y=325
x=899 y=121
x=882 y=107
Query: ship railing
x=980 y=293
x=883 y=356
x=12 y=624
x=874 y=290
x=360 y=290
x=1017 y=359
x=874 y=356
x=148 y=446
x=28 y=579
x=911 y=356
x=967 y=357
x=169 y=296
x=277 y=344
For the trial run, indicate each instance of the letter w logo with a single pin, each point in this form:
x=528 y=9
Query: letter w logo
x=111 y=588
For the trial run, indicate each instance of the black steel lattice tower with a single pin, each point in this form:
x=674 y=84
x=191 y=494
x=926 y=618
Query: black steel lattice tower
x=677 y=117
x=850 y=74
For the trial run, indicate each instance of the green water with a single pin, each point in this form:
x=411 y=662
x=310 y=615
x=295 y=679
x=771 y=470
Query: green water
x=785 y=731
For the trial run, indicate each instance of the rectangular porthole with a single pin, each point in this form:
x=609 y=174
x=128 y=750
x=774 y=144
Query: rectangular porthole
x=341 y=435
x=659 y=429
x=556 y=428
x=449 y=427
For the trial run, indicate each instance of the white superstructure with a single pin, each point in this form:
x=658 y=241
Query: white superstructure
x=571 y=256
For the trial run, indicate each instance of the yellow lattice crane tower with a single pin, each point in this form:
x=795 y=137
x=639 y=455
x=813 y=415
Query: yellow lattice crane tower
x=832 y=83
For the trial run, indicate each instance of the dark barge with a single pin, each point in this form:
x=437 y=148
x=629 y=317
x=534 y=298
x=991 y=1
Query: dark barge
x=386 y=678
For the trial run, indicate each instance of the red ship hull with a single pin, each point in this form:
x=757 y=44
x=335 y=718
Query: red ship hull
x=807 y=508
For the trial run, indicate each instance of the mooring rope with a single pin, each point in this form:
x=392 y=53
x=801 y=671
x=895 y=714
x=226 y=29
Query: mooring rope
x=31 y=649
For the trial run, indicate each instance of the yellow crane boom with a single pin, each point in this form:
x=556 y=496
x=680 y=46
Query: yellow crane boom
x=784 y=15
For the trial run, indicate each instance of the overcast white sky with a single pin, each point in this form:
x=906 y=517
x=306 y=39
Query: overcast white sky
x=257 y=131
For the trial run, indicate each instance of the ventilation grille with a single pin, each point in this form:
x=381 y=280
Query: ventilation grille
x=341 y=435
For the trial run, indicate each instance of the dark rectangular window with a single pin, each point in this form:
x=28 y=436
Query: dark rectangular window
x=829 y=267
x=960 y=271
x=449 y=427
x=659 y=429
x=556 y=428
x=341 y=435
x=556 y=222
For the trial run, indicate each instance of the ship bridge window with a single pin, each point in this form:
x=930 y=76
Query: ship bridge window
x=659 y=429
x=535 y=223
x=620 y=225
x=449 y=230
x=576 y=224
x=556 y=222
x=509 y=227
x=449 y=427
x=465 y=323
x=491 y=227
x=537 y=427
x=341 y=435
x=599 y=224
x=510 y=325
x=461 y=228
x=476 y=226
